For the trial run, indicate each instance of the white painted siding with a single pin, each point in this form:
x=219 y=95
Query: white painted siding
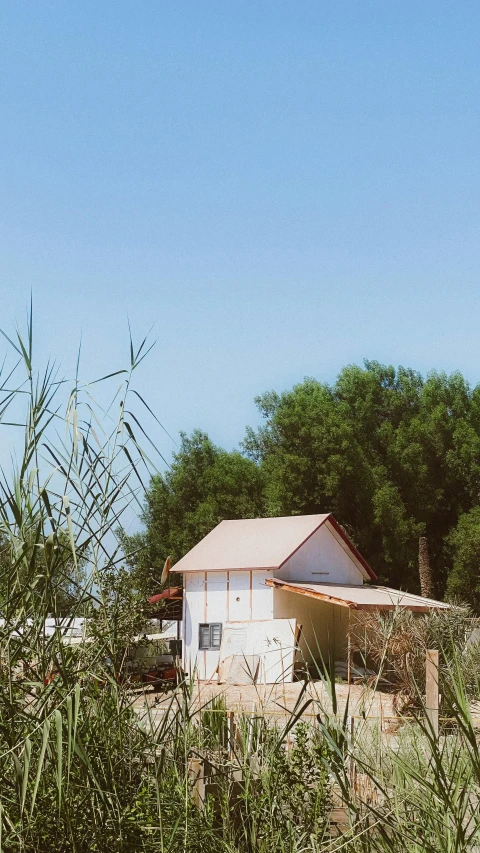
x=323 y=558
x=262 y=597
x=240 y=596
x=215 y=611
x=220 y=597
x=194 y=592
x=273 y=640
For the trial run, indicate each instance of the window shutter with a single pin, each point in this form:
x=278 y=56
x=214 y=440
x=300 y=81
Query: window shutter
x=204 y=636
x=210 y=635
x=216 y=634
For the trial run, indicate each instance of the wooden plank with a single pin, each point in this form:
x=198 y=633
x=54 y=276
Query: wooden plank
x=310 y=593
x=431 y=680
x=196 y=772
x=345 y=602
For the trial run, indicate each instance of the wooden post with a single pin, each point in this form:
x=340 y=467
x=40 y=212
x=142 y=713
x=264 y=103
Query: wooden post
x=196 y=769
x=431 y=679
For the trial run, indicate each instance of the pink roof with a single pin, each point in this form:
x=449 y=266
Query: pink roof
x=258 y=543
x=358 y=597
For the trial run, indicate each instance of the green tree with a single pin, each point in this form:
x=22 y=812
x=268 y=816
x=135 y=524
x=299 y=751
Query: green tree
x=392 y=455
x=395 y=456
x=203 y=486
x=464 y=545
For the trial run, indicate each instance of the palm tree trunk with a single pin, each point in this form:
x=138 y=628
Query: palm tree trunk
x=424 y=570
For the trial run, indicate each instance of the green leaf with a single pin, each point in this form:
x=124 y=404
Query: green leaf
x=26 y=769
x=59 y=728
x=41 y=759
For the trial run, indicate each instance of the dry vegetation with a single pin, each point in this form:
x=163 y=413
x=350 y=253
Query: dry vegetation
x=394 y=645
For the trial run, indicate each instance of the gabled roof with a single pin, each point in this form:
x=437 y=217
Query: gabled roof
x=358 y=597
x=259 y=543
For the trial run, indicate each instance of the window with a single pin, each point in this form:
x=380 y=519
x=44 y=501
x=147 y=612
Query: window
x=209 y=635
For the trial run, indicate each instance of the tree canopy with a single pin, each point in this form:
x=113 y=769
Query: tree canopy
x=392 y=454
x=204 y=485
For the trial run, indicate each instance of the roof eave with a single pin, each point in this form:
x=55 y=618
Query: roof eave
x=339 y=529
x=353 y=605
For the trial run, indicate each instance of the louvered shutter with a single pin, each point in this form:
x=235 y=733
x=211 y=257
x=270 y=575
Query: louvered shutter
x=204 y=637
x=215 y=635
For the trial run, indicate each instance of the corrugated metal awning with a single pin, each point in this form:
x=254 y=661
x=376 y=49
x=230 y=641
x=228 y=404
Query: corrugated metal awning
x=356 y=597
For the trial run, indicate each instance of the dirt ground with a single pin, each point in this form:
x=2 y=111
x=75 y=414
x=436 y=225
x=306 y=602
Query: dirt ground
x=280 y=700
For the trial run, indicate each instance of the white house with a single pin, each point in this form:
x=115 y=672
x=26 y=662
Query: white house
x=267 y=590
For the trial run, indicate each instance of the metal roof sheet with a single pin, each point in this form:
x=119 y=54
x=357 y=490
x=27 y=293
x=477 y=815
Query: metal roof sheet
x=250 y=543
x=368 y=597
x=259 y=543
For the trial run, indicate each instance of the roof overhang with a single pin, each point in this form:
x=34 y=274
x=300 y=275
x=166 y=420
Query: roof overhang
x=355 y=597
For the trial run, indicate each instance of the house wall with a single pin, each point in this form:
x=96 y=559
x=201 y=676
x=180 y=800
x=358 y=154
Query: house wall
x=220 y=597
x=271 y=641
x=324 y=558
x=324 y=625
x=242 y=596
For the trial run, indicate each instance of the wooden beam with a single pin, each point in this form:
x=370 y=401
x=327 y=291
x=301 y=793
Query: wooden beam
x=310 y=593
x=345 y=602
x=416 y=608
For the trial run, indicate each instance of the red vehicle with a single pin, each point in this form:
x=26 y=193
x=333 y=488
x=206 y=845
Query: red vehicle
x=162 y=676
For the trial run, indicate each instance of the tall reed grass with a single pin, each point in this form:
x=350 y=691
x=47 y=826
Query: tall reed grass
x=80 y=770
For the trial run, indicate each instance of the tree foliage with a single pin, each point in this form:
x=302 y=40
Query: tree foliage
x=204 y=485
x=392 y=454
x=464 y=544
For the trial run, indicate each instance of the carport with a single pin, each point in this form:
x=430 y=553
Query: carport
x=326 y=612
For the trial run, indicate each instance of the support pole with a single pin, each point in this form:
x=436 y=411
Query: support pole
x=431 y=681
x=196 y=771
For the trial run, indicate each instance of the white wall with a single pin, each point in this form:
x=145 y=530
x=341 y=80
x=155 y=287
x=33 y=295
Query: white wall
x=238 y=596
x=220 y=597
x=324 y=558
x=324 y=626
x=272 y=639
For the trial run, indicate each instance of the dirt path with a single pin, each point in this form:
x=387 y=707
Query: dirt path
x=280 y=700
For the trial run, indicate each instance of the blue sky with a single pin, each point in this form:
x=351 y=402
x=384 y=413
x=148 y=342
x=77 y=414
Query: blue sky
x=279 y=188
